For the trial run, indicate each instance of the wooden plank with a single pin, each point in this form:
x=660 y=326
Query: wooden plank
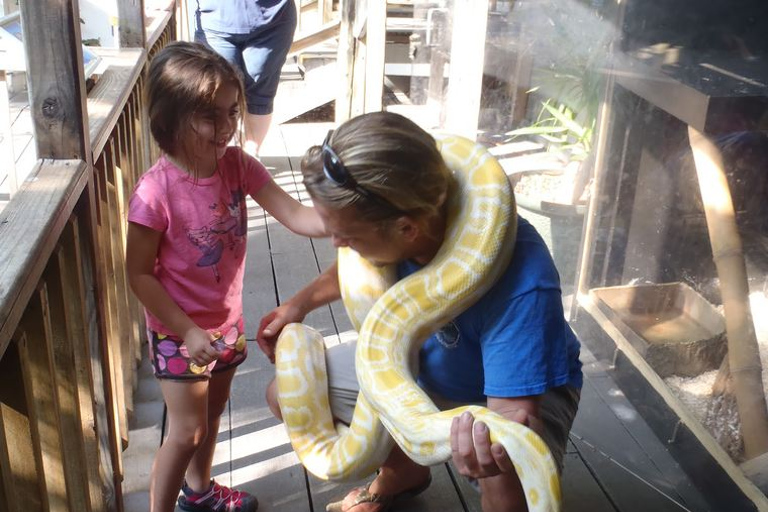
x=36 y=356
x=581 y=492
x=6 y=138
x=63 y=362
x=325 y=8
x=614 y=455
x=375 y=41
x=18 y=466
x=113 y=340
x=76 y=311
x=4 y=480
x=117 y=236
x=345 y=61
x=469 y=495
x=126 y=185
x=300 y=96
x=29 y=229
x=57 y=95
x=466 y=69
x=359 y=83
x=622 y=486
x=259 y=458
x=302 y=41
x=695 y=427
x=298 y=139
x=130 y=29
x=96 y=311
x=295 y=266
x=611 y=401
x=108 y=97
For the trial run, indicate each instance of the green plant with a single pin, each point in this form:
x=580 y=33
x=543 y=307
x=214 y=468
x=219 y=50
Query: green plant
x=560 y=126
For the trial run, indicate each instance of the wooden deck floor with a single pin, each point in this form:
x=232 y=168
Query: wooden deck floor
x=614 y=462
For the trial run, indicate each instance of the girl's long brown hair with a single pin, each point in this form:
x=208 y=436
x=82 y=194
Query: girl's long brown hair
x=183 y=79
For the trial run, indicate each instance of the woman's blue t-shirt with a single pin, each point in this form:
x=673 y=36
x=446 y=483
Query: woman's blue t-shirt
x=513 y=342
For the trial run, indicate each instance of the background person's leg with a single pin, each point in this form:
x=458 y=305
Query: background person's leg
x=264 y=54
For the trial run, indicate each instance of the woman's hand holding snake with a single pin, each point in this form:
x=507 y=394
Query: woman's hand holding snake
x=472 y=452
x=272 y=324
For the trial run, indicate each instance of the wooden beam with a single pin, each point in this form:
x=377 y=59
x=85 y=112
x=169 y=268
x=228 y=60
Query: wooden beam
x=108 y=97
x=36 y=355
x=375 y=41
x=57 y=95
x=130 y=31
x=71 y=264
x=18 y=466
x=6 y=144
x=324 y=33
x=345 y=61
x=466 y=70
x=94 y=273
x=63 y=341
x=29 y=228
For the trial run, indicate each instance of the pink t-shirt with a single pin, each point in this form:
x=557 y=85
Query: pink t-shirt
x=201 y=258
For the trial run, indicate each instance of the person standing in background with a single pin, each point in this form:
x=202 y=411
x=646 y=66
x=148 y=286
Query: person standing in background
x=255 y=36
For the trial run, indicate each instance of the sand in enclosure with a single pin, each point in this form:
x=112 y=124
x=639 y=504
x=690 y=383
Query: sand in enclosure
x=696 y=392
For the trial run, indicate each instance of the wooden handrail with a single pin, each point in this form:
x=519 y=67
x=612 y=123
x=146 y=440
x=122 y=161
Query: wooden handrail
x=69 y=326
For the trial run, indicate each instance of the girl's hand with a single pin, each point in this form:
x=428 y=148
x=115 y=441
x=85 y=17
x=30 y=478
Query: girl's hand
x=272 y=325
x=200 y=348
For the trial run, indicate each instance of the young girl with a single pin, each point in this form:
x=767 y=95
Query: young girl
x=185 y=260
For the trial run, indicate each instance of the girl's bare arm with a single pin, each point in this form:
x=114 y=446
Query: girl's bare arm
x=300 y=219
x=141 y=253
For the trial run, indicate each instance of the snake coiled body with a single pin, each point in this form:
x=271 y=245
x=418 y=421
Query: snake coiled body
x=393 y=319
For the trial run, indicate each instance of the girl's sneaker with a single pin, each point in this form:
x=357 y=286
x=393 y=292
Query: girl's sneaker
x=217 y=499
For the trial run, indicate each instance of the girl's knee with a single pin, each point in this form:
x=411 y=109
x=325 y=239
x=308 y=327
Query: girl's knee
x=272 y=402
x=188 y=437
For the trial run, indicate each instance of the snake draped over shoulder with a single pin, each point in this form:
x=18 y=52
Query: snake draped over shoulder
x=393 y=319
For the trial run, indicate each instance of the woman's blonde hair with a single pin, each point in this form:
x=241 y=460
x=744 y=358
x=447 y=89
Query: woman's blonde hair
x=183 y=80
x=390 y=157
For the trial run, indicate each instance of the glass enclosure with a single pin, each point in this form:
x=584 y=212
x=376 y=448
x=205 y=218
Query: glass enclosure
x=636 y=136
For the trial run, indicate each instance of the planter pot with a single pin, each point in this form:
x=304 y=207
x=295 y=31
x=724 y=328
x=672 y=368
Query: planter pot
x=560 y=226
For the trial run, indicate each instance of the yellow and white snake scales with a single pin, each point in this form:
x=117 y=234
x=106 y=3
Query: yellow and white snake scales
x=393 y=319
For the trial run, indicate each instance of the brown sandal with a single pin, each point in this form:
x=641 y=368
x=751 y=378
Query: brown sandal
x=385 y=500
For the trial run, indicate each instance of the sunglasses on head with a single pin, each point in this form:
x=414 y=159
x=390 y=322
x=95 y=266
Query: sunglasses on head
x=336 y=172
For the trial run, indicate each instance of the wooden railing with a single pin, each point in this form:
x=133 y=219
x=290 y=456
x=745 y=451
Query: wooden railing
x=70 y=329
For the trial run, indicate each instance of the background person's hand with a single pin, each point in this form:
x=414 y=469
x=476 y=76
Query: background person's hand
x=271 y=326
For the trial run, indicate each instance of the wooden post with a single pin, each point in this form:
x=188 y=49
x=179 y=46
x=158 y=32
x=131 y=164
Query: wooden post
x=375 y=39
x=18 y=465
x=345 y=61
x=9 y=7
x=130 y=31
x=743 y=352
x=467 y=61
x=57 y=96
x=6 y=145
x=36 y=355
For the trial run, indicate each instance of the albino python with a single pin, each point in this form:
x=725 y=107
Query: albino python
x=393 y=320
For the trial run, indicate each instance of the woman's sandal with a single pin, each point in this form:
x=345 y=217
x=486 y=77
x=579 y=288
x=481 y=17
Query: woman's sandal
x=385 y=500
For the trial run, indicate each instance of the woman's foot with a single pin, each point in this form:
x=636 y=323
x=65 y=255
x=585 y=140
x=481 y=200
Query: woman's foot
x=364 y=499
